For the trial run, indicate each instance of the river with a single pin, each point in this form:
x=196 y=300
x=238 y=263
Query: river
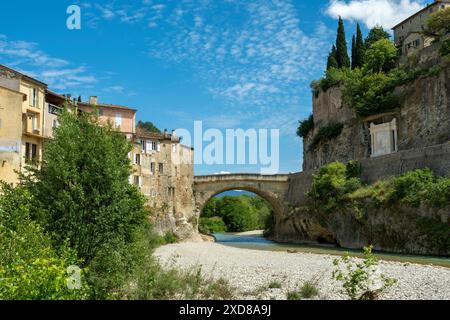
x=256 y=241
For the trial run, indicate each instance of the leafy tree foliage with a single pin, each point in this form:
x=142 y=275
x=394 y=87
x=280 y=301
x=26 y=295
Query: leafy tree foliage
x=381 y=56
x=305 y=127
x=326 y=133
x=438 y=23
x=85 y=197
x=376 y=34
x=331 y=186
x=30 y=269
x=149 y=126
x=239 y=214
x=343 y=59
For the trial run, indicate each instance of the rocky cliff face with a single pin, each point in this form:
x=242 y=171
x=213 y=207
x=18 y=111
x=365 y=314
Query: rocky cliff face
x=392 y=229
x=423 y=120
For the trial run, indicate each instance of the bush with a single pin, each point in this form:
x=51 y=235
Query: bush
x=333 y=77
x=332 y=186
x=212 y=225
x=309 y=290
x=445 y=48
x=305 y=127
x=30 y=269
x=326 y=133
x=361 y=280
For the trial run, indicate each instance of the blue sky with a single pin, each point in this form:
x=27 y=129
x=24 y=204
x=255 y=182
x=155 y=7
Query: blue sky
x=230 y=63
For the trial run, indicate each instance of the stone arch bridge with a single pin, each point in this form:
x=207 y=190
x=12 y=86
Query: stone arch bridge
x=272 y=188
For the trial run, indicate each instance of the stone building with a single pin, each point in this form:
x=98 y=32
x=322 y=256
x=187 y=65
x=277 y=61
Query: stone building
x=30 y=122
x=408 y=33
x=163 y=169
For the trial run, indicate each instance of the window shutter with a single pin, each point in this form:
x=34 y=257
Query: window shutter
x=159 y=146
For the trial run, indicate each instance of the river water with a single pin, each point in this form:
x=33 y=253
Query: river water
x=256 y=241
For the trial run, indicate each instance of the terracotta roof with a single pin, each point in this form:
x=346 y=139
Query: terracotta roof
x=143 y=133
x=23 y=75
x=103 y=105
x=421 y=11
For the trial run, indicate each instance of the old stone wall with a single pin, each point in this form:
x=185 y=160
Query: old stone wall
x=423 y=121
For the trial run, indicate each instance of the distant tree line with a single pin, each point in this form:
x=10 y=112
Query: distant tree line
x=235 y=214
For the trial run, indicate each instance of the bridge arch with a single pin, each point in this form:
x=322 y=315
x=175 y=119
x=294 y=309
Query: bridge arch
x=272 y=188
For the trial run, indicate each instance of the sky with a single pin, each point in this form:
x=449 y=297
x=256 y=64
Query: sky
x=228 y=63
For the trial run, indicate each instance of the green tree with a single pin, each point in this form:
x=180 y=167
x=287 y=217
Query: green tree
x=353 y=52
x=85 y=196
x=331 y=185
x=30 y=269
x=376 y=34
x=438 y=23
x=149 y=126
x=343 y=59
x=358 y=54
x=332 y=59
x=381 y=56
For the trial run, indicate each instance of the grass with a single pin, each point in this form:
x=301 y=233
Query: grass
x=275 y=285
x=308 y=290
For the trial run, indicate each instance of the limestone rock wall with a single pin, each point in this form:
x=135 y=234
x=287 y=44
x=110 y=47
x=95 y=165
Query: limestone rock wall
x=423 y=121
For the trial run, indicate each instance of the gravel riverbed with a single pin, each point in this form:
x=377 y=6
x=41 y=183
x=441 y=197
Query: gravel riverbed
x=251 y=271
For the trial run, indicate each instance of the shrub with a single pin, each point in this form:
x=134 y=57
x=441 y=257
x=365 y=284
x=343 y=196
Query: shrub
x=438 y=23
x=212 y=225
x=30 y=269
x=445 y=48
x=275 y=285
x=309 y=290
x=294 y=295
x=332 y=185
x=361 y=280
x=410 y=187
x=371 y=93
x=333 y=77
x=326 y=133
x=305 y=127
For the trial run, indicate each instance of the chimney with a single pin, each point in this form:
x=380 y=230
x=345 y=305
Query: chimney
x=93 y=100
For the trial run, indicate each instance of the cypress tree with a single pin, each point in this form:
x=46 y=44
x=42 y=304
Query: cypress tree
x=354 y=57
x=332 y=59
x=341 y=46
x=359 y=48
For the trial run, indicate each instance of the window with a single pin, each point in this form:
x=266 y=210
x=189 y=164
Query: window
x=31 y=153
x=154 y=146
x=137 y=180
x=118 y=120
x=137 y=159
x=161 y=168
x=55 y=123
x=152 y=168
x=34 y=97
x=144 y=145
x=174 y=148
x=100 y=112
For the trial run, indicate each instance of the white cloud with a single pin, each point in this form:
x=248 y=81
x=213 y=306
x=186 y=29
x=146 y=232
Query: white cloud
x=386 y=13
x=58 y=73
